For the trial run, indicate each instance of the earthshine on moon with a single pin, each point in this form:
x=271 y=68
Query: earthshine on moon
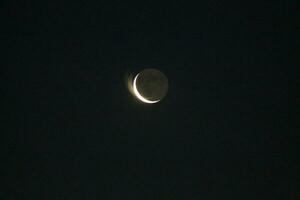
x=150 y=86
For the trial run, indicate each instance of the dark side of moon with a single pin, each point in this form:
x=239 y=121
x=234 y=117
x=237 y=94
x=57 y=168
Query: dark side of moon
x=152 y=84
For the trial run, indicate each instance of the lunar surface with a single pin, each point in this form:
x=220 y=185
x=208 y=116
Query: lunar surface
x=150 y=85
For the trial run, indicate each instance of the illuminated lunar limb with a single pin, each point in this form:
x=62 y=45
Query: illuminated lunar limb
x=138 y=95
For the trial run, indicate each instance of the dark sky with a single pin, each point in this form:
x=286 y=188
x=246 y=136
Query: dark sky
x=73 y=131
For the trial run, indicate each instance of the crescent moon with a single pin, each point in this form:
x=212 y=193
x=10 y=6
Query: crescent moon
x=138 y=95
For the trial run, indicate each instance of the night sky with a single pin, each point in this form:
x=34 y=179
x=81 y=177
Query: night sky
x=71 y=129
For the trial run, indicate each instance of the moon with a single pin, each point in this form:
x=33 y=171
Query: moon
x=138 y=95
x=150 y=86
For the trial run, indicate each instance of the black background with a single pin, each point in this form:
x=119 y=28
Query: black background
x=73 y=131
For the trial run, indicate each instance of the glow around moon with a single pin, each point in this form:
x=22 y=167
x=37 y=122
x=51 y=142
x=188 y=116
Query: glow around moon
x=138 y=95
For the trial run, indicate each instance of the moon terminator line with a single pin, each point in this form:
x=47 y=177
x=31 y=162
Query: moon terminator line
x=150 y=86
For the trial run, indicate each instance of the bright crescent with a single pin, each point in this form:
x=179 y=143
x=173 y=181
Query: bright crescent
x=138 y=95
